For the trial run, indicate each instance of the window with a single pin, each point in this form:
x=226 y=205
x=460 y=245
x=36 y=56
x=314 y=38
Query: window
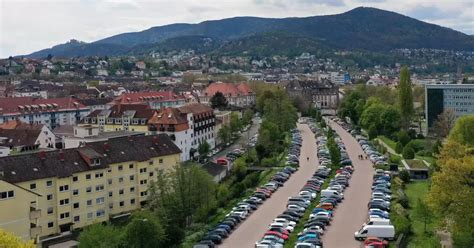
x=150 y=162
x=100 y=213
x=120 y=167
x=144 y=193
x=64 y=215
x=143 y=182
x=160 y=161
x=120 y=179
x=111 y=205
x=111 y=193
x=75 y=205
x=121 y=203
x=77 y=218
x=100 y=200
x=132 y=178
x=120 y=191
x=50 y=210
x=99 y=187
x=64 y=202
x=7 y=194
x=49 y=183
x=151 y=174
x=132 y=201
x=109 y=181
x=99 y=175
x=50 y=224
x=32 y=186
x=75 y=178
x=90 y=215
x=49 y=197
x=63 y=188
x=132 y=189
x=143 y=170
x=88 y=176
x=75 y=192
x=130 y=166
x=89 y=202
x=89 y=189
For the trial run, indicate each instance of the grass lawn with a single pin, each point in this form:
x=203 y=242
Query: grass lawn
x=428 y=159
x=419 y=238
x=416 y=164
x=388 y=141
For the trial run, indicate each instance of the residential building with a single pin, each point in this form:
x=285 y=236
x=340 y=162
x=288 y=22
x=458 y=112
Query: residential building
x=96 y=103
x=44 y=196
x=156 y=99
x=188 y=126
x=438 y=97
x=239 y=95
x=21 y=137
x=52 y=112
x=121 y=117
x=322 y=94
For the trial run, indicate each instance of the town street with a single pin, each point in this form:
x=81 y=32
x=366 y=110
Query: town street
x=252 y=229
x=352 y=213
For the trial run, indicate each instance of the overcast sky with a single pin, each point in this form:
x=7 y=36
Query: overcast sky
x=30 y=25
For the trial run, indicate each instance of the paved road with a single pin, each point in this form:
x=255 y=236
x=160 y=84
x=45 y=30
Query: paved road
x=252 y=229
x=350 y=215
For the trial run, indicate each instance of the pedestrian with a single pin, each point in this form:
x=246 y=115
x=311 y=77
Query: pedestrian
x=307 y=158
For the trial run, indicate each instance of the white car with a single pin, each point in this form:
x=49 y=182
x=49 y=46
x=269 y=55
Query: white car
x=325 y=214
x=307 y=193
x=380 y=195
x=284 y=221
x=281 y=225
x=296 y=208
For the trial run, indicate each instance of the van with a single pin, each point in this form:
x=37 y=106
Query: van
x=383 y=232
x=329 y=193
x=377 y=221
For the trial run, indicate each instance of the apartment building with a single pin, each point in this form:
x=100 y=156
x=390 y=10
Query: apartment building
x=239 y=95
x=121 y=117
x=52 y=112
x=155 y=99
x=46 y=195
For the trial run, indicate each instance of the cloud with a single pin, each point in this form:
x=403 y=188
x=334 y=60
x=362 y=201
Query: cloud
x=431 y=13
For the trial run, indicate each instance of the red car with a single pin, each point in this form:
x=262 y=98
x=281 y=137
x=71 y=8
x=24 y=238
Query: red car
x=376 y=242
x=280 y=235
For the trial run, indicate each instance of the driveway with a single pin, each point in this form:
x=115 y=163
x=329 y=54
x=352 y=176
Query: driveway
x=252 y=229
x=352 y=213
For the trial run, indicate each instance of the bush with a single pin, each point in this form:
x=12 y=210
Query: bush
x=412 y=133
x=401 y=223
x=399 y=147
x=408 y=152
x=395 y=159
x=420 y=136
x=404 y=175
x=372 y=132
x=417 y=145
x=403 y=200
x=403 y=137
x=269 y=162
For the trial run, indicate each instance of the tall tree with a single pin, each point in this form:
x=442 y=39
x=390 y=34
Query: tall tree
x=445 y=122
x=235 y=123
x=144 y=230
x=224 y=134
x=204 y=148
x=405 y=98
x=8 y=239
x=462 y=131
x=100 y=235
x=218 y=101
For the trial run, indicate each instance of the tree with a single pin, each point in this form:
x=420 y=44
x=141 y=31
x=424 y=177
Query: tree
x=143 y=231
x=445 y=122
x=404 y=175
x=372 y=132
x=462 y=131
x=403 y=137
x=204 y=148
x=224 y=134
x=408 y=152
x=100 y=235
x=235 y=123
x=423 y=212
x=218 y=101
x=437 y=146
x=405 y=98
x=8 y=239
x=399 y=147
x=247 y=116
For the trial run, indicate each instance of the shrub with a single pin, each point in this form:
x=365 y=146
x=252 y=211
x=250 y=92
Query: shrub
x=408 y=152
x=404 y=175
x=403 y=200
x=401 y=223
x=412 y=133
x=395 y=159
x=268 y=162
x=399 y=147
x=417 y=145
x=403 y=137
x=372 y=132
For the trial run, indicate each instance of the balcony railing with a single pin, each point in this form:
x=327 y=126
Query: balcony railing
x=35 y=214
x=35 y=231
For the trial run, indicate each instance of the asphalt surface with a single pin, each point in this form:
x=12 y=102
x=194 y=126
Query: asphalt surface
x=352 y=212
x=253 y=228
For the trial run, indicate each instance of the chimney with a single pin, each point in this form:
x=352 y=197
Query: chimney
x=42 y=155
x=106 y=147
x=61 y=155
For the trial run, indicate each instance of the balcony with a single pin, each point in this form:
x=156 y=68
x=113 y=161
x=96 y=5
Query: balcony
x=35 y=231
x=35 y=214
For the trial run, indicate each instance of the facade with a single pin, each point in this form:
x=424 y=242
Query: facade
x=121 y=117
x=438 y=97
x=46 y=195
x=322 y=94
x=83 y=134
x=21 y=137
x=239 y=95
x=155 y=99
x=52 y=112
x=188 y=126
x=38 y=94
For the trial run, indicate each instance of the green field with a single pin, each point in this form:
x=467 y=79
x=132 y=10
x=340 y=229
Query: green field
x=392 y=144
x=419 y=238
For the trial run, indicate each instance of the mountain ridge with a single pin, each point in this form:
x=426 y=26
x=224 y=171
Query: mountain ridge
x=361 y=28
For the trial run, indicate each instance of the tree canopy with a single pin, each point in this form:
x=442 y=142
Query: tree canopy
x=405 y=97
x=218 y=101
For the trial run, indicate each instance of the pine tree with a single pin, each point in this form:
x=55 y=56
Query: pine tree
x=405 y=97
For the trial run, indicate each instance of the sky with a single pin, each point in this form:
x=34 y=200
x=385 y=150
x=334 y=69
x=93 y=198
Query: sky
x=30 y=25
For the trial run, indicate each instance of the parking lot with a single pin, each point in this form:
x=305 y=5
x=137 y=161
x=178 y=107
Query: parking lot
x=353 y=211
x=253 y=228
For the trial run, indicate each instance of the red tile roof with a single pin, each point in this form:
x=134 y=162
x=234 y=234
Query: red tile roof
x=196 y=108
x=228 y=89
x=169 y=116
x=21 y=105
x=140 y=97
